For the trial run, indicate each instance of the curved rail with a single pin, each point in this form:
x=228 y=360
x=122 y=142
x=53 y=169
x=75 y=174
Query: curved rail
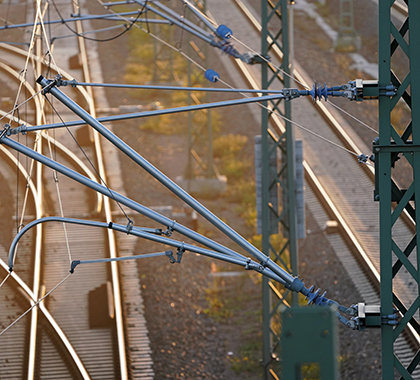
x=33 y=294
x=112 y=245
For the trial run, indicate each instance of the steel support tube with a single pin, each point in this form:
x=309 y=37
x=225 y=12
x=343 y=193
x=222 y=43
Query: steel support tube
x=179 y=17
x=73 y=83
x=205 y=37
x=118 y=197
x=172 y=186
x=137 y=115
x=145 y=234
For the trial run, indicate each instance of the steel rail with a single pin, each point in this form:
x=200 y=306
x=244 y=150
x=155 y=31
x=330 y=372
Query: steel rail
x=28 y=292
x=112 y=244
x=38 y=240
x=85 y=95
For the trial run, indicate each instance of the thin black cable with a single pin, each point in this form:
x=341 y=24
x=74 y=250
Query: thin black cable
x=17 y=190
x=97 y=39
x=144 y=9
x=182 y=29
x=17 y=182
x=90 y=162
x=50 y=44
x=7 y=12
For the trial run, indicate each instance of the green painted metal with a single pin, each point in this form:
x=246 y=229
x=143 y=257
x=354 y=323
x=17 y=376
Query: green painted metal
x=200 y=138
x=283 y=250
x=316 y=358
x=163 y=71
x=403 y=42
x=347 y=39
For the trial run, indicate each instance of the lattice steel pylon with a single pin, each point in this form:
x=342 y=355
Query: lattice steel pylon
x=283 y=251
x=399 y=255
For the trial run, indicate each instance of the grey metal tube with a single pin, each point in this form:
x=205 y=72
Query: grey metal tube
x=137 y=115
x=118 y=197
x=179 y=17
x=200 y=15
x=182 y=194
x=139 y=232
x=171 y=88
x=206 y=37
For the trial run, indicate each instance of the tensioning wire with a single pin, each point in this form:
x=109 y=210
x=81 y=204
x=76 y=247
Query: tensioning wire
x=90 y=162
x=35 y=304
x=60 y=203
x=11 y=112
x=44 y=32
x=2 y=283
x=270 y=63
x=353 y=117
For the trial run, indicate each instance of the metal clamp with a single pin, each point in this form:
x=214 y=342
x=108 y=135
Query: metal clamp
x=179 y=254
x=129 y=226
x=5 y=131
x=51 y=83
x=170 y=229
x=370 y=316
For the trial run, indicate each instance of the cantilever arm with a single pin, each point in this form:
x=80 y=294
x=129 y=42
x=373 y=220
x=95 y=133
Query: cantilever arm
x=146 y=234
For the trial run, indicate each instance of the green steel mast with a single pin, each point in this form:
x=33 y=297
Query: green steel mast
x=402 y=145
x=284 y=250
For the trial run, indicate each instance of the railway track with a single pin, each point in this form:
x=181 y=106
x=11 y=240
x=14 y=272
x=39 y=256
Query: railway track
x=361 y=243
x=63 y=340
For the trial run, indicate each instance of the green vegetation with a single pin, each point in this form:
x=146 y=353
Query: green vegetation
x=248 y=358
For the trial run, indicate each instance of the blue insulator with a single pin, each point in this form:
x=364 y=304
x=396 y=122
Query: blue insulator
x=223 y=31
x=324 y=92
x=312 y=92
x=318 y=92
x=211 y=75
